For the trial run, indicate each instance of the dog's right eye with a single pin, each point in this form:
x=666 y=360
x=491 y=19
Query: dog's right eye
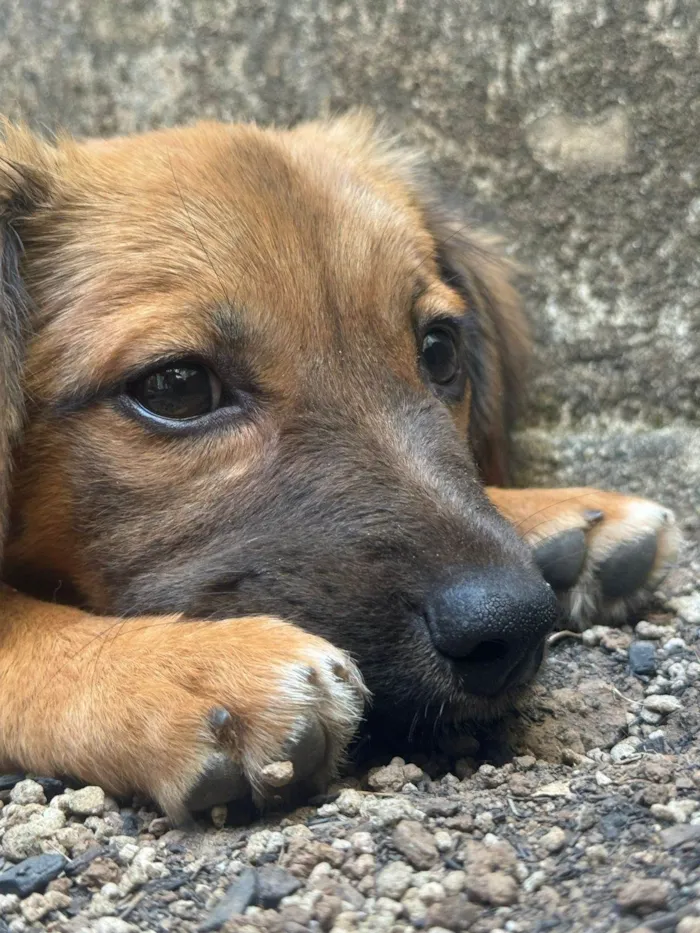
x=179 y=391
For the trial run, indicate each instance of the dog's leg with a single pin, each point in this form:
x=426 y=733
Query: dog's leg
x=190 y=713
x=602 y=552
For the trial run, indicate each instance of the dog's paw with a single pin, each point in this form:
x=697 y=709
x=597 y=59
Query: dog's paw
x=195 y=714
x=603 y=553
x=294 y=733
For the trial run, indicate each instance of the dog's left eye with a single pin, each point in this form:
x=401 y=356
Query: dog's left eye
x=440 y=355
x=178 y=392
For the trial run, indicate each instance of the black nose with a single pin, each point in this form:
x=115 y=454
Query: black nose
x=492 y=625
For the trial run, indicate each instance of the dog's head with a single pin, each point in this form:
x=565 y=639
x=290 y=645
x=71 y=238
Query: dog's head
x=250 y=371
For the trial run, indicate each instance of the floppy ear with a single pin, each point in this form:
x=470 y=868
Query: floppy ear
x=498 y=346
x=22 y=191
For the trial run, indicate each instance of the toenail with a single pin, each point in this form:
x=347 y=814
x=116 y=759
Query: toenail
x=218 y=718
x=340 y=671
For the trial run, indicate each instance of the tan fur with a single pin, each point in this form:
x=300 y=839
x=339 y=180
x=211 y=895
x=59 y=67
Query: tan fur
x=127 y=249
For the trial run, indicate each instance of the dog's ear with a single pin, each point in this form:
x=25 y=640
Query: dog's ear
x=23 y=191
x=498 y=345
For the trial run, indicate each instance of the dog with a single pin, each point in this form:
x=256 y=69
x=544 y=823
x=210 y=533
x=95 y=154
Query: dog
x=257 y=387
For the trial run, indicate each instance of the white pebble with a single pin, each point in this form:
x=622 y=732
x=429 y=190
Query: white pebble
x=443 y=840
x=647 y=630
x=28 y=791
x=625 y=750
x=688 y=607
x=662 y=703
x=264 y=843
x=113 y=925
x=363 y=842
x=593 y=636
x=675 y=811
x=394 y=880
x=9 y=904
x=674 y=646
x=88 y=801
x=555 y=840
x=431 y=892
x=534 y=882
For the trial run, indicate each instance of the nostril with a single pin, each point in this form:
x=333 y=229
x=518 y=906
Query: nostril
x=486 y=652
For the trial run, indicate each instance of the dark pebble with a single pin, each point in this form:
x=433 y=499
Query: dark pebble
x=130 y=825
x=440 y=806
x=169 y=883
x=642 y=658
x=274 y=884
x=241 y=894
x=52 y=786
x=681 y=835
x=81 y=862
x=8 y=781
x=657 y=745
x=33 y=874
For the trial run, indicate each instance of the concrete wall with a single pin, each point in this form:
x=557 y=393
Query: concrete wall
x=572 y=125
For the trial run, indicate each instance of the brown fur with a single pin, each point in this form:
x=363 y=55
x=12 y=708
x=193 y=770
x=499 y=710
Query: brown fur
x=300 y=263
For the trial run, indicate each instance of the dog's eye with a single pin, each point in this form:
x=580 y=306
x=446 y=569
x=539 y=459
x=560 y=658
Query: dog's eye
x=178 y=392
x=440 y=356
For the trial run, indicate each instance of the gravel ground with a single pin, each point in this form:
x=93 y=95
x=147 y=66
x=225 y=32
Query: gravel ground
x=592 y=824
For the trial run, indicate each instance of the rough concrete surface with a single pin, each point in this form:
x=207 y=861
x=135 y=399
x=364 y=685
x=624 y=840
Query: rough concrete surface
x=572 y=127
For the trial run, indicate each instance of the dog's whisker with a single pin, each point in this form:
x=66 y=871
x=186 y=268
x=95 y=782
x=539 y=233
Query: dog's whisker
x=553 y=505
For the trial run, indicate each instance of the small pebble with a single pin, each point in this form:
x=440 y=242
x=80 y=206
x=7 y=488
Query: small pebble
x=31 y=875
x=26 y=792
x=674 y=646
x=274 y=884
x=649 y=630
x=394 y=880
x=238 y=896
x=414 y=842
x=594 y=635
x=688 y=607
x=88 y=801
x=554 y=840
x=218 y=816
x=494 y=888
x=642 y=658
x=689 y=925
x=662 y=704
x=675 y=811
x=642 y=895
x=37 y=906
x=623 y=751
x=534 y=881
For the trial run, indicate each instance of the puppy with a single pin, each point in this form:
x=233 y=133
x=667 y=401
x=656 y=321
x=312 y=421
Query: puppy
x=256 y=395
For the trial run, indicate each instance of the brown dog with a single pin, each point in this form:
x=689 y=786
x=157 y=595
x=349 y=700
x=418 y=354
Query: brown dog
x=255 y=380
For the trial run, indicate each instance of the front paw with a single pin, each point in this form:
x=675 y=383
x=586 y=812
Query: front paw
x=603 y=553
x=308 y=705
x=193 y=714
